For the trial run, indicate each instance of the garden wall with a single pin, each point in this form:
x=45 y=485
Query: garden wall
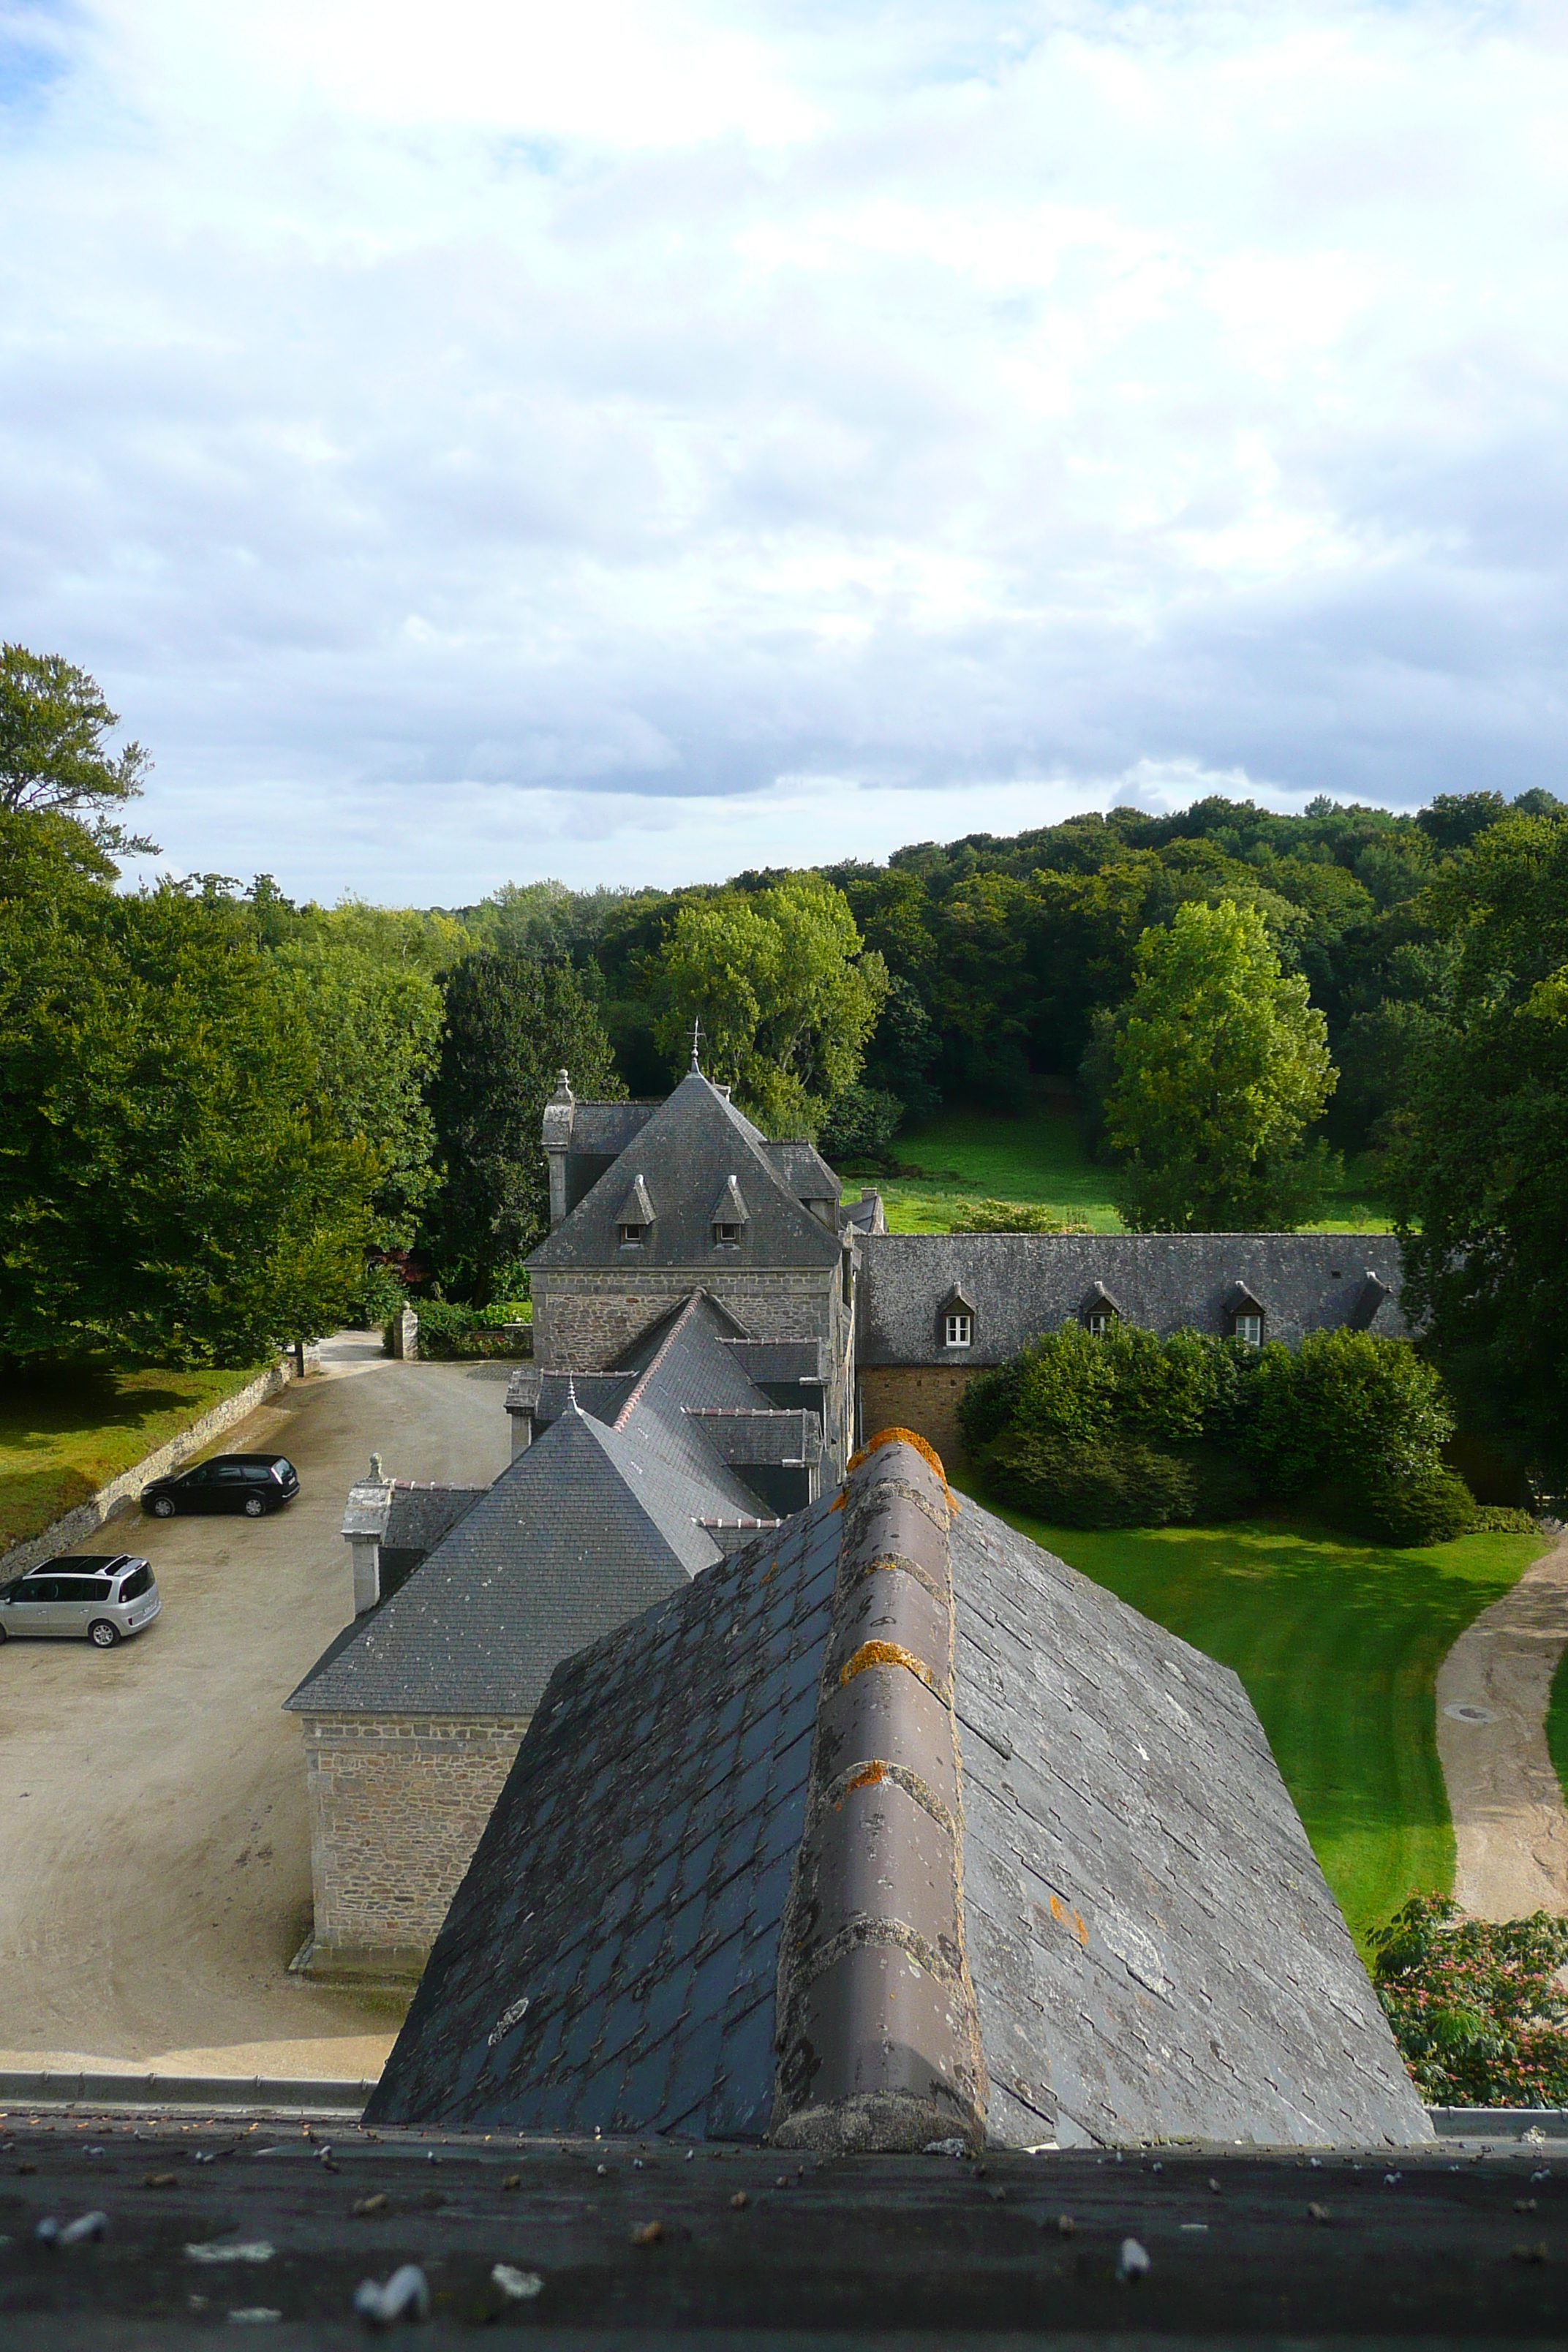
x=76 y=1525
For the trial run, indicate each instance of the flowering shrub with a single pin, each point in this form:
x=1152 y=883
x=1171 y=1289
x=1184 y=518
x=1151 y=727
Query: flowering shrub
x=1475 y=2008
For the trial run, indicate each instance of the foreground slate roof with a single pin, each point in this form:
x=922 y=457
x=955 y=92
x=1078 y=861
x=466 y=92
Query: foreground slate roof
x=890 y=1827
x=1017 y=1285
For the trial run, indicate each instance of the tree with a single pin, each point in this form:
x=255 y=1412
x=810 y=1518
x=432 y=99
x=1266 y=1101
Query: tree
x=1222 y=1063
x=511 y=1026
x=1480 y=1156
x=169 y=1187
x=786 y=992
x=53 y=755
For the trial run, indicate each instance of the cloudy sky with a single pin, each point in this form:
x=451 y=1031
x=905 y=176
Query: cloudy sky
x=631 y=440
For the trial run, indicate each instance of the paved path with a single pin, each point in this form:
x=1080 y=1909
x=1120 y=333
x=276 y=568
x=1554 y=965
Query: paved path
x=1510 y=1826
x=155 y=1862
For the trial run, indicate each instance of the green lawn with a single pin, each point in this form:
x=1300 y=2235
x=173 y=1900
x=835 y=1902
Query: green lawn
x=975 y=1155
x=1338 y=1644
x=66 y=1430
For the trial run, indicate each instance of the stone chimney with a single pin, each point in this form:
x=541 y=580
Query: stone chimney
x=523 y=1405
x=558 y=1113
x=364 y=1531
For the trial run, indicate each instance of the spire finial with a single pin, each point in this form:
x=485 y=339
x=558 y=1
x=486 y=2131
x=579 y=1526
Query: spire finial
x=695 y=1036
x=571 y=1403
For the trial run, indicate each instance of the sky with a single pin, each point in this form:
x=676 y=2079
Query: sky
x=631 y=442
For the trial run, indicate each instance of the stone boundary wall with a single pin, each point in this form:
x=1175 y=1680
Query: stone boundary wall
x=398 y=1802
x=86 y=1519
x=923 y=1397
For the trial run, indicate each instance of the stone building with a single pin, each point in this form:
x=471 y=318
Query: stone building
x=936 y=1308
x=693 y=1384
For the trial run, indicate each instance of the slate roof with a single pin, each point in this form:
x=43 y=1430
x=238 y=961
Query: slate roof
x=684 y=1156
x=635 y=1482
x=577 y=1535
x=1149 y=1944
x=420 y=1516
x=1021 y=1285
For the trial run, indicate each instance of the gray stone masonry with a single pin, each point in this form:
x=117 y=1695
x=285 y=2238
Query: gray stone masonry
x=398 y=1805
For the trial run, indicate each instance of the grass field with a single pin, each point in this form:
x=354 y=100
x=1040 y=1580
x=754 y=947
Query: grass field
x=973 y=1155
x=1338 y=1644
x=1557 y=1722
x=65 y=1431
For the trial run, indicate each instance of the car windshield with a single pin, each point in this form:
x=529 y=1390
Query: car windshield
x=281 y=1469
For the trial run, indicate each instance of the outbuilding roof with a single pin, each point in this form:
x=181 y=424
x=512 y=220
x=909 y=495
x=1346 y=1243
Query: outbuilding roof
x=893 y=1824
x=1022 y=1285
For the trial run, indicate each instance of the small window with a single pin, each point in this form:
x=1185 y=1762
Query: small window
x=726 y=1236
x=959 y=1329
x=1099 y=1323
x=1250 y=1329
x=631 y=1236
x=139 y=1581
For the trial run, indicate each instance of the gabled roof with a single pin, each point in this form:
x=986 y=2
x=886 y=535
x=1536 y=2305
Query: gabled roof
x=686 y=1154
x=1020 y=1861
x=577 y=1534
x=1025 y=1284
x=637 y=1207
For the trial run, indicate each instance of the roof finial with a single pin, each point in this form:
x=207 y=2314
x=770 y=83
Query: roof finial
x=571 y=1403
x=696 y=1035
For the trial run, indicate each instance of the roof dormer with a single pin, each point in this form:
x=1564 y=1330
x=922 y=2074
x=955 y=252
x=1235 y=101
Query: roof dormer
x=1246 y=1315
x=730 y=1217
x=634 y=1221
x=1099 y=1311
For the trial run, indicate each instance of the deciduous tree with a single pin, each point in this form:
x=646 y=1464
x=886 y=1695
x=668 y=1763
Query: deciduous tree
x=1222 y=1063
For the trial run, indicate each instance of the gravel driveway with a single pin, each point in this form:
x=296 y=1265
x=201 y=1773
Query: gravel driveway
x=155 y=1868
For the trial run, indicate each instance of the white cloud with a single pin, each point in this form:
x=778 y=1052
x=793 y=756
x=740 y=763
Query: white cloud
x=504 y=439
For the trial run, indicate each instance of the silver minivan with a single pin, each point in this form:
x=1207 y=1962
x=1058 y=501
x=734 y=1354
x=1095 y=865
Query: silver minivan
x=82 y=1598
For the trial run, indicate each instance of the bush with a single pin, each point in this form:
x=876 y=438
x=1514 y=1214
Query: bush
x=1009 y=1217
x=1348 y=1411
x=382 y=1296
x=1432 y=1508
x=1475 y=2004
x=1501 y=1519
x=862 y=1124
x=1081 y=1482
x=448 y=1332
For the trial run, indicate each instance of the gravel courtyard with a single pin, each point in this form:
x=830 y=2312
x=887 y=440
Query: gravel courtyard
x=155 y=1874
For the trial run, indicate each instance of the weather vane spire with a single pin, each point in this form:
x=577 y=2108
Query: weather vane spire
x=696 y=1037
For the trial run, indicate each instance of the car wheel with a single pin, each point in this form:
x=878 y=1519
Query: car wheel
x=103 y=1635
x=163 y=1507
x=254 y=1506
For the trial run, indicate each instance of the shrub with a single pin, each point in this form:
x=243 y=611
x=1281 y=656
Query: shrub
x=1475 y=2005
x=1365 y=1414
x=989 y=1402
x=447 y=1332
x=1010 y=1217
x=382 y=1296
x=862 y=1124
x=1090 y=1483
x=1432 y=1507
x=1503 y=1519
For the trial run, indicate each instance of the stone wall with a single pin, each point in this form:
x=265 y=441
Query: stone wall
x=922 y=1397
x=86 y=1519
x=398 y=1805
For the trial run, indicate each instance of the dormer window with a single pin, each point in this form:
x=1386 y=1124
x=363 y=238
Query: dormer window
x=955 y=1321
x=729 y=1218
x=1247 y=1316
x=1099 y=1311
x=635 y=1223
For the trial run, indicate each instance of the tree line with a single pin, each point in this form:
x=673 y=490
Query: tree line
x=220 y=1107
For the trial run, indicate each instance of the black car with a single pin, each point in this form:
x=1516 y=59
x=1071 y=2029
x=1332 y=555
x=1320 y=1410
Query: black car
x=251 y=1483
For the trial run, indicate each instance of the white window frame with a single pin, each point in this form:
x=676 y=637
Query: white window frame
x=630 y=1236
x=726 y=1235
x=959 y=1328
x=1248 y=1326
x=1099 y=1323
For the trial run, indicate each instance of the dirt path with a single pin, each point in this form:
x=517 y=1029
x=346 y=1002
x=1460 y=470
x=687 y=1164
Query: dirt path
x=1510 y=1826
x=155 y=1866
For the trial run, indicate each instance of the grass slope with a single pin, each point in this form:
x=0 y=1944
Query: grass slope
x=970 y=1155
x=1338 y=1644
x=66 y=1430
